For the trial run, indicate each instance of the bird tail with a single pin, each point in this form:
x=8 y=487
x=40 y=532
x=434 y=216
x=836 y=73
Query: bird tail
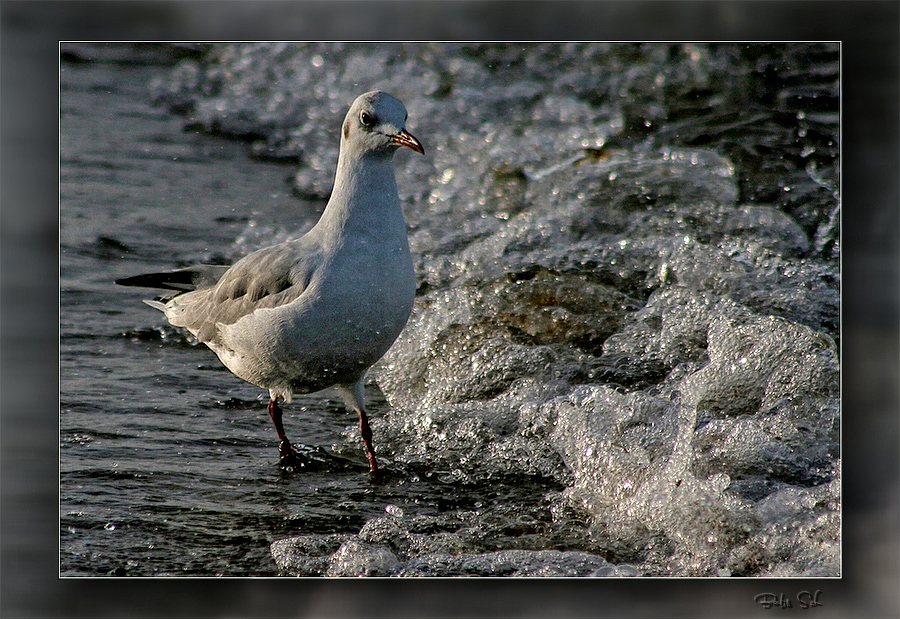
x=156 y=304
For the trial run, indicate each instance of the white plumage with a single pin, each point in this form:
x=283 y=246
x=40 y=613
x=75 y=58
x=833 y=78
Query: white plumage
x=318 y=311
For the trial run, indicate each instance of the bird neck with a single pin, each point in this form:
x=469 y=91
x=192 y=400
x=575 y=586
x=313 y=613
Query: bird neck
x=364 y=198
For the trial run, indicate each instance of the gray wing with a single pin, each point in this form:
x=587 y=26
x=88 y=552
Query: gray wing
x=205 y=296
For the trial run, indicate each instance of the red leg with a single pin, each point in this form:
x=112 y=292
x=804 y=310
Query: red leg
x=284 y=447
x=353 y=396
x=366 y=433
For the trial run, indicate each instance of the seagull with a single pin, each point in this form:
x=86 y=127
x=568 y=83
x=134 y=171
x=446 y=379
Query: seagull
x=318 y=311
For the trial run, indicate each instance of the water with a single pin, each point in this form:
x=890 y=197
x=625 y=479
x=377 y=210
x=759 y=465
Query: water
x=145 y=416
x=168 y=463
x=623 y=358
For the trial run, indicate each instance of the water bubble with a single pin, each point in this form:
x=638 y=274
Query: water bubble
x=394 y=510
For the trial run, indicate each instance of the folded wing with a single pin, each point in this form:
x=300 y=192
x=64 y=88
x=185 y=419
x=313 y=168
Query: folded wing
x=201 y=297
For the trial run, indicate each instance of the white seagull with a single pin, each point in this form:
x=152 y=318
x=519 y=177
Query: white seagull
x=318 y=311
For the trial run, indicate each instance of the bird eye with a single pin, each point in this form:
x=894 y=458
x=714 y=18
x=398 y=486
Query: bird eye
x=367 y=118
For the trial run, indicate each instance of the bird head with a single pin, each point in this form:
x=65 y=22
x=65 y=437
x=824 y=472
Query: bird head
x=376 y=122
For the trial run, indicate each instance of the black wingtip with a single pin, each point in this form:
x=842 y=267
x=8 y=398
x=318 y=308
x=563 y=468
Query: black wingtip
x=182 y=280
x=166 y=281
x=127 y=281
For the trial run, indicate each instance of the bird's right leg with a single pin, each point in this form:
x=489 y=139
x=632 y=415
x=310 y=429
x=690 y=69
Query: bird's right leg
x=285 y=449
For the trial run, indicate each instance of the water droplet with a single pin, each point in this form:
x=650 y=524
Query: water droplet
x=394 y=510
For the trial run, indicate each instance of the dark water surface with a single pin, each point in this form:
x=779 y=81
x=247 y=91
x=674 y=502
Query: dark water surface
x=168 y=463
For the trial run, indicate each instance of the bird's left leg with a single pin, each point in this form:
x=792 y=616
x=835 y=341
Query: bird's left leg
x=353 y=395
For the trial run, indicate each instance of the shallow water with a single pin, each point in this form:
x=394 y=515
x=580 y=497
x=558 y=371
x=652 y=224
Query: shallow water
x=168 y=463
x=623 y=357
